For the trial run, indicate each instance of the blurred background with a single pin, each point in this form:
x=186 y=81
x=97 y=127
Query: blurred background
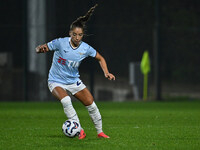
x=120 y=30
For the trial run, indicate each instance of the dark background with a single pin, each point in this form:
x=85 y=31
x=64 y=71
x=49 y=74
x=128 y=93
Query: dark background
x=120 y=30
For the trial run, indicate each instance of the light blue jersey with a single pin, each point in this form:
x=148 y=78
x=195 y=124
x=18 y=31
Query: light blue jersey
x=66 y=60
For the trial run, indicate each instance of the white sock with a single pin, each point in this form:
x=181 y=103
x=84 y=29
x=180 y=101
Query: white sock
x=95 y=116
x=69 y=109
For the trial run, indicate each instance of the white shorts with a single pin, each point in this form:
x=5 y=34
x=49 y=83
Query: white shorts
x=73 y=88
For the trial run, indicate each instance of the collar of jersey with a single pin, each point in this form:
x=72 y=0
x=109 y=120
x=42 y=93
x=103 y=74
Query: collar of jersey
x=72 y=46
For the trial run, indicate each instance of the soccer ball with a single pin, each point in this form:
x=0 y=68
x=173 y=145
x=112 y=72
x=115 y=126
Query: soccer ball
x=71 y=128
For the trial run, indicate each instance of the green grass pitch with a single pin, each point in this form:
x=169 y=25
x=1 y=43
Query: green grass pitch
x=131 y=125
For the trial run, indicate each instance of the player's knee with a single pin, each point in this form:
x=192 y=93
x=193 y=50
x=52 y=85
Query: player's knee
x=89 y=101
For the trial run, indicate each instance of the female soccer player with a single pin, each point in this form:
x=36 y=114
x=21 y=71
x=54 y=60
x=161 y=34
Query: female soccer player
x=64 y=74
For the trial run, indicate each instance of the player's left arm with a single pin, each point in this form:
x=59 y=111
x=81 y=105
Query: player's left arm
x=104 y=67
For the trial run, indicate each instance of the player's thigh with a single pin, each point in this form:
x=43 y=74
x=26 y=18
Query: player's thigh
x=85 y=97
x=59 y=93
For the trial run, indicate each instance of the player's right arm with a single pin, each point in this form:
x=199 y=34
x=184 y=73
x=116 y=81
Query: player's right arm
x=42 y=48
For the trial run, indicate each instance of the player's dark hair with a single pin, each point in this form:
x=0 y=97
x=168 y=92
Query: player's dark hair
x=81 y=21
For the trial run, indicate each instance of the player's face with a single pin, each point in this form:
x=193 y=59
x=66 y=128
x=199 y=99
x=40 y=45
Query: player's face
x=76 y=36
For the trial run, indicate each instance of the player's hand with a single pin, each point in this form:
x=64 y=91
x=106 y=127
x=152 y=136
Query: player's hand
x=42 y=48
x=110 y=76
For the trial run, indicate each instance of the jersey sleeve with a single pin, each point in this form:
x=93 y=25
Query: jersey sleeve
x=91 y=51
x=53 y=45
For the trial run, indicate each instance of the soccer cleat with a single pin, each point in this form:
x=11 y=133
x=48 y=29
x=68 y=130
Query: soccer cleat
x=102 y=135
x=82 y=135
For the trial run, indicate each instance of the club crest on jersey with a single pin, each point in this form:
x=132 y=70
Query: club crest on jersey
x=81 y=53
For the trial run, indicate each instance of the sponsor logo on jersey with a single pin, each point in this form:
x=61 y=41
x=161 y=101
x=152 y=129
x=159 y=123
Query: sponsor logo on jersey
x=69 y=63
x=61 y=61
